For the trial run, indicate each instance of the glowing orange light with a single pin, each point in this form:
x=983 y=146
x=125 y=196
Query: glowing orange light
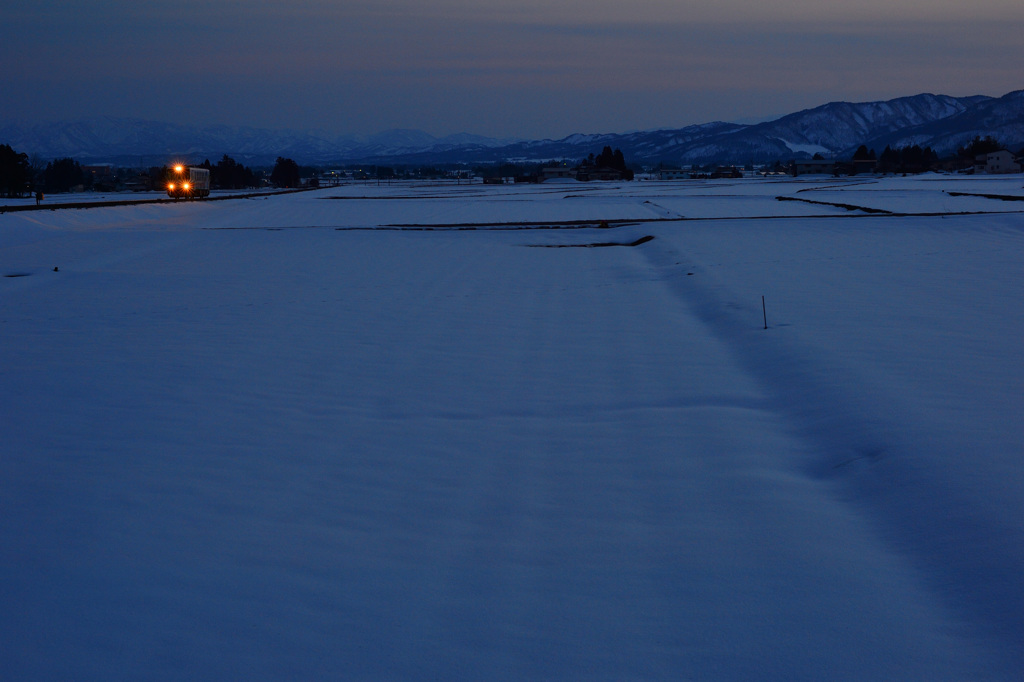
x=170 y=186
x=186 y=187
x=179 y=169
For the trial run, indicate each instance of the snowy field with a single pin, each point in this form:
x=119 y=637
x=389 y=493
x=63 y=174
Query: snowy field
x=385 y=433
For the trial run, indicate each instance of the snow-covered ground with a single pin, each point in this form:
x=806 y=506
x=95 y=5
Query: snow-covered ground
x=345 y=435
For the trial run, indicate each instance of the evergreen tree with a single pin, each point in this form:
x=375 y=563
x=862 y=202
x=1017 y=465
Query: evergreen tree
x=63 y=175
x=229 y=174
x=15 y=172
x=862 y=154
x=618 y=160
x=285 y=173
x=609 y=158
x=888 y=161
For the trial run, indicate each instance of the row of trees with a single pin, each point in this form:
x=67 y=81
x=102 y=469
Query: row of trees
x=18 y=178
x=911 y=159
x=908 y=159
x=229 y=174
x=979 y=146
x=63 y=175
x=917 y=159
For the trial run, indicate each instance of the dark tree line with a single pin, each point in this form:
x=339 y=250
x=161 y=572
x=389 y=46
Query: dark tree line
x=17 y=178
x=229 y=174
x=63 y=175
x=911 y=159
x=15 y=172
x=979 y=146
x=917 y=159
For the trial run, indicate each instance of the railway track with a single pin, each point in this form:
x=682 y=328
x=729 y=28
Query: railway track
x=135 y=202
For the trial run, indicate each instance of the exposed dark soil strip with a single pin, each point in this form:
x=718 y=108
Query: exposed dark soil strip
x=848 y=207
x=478 y=193
x=1000 y=197
x=609 y=224
x=595 y=245
x=465 y=227
x=528 y=224
x=839 y=187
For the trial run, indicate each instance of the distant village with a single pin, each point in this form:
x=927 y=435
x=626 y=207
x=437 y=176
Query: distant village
x=22 y=175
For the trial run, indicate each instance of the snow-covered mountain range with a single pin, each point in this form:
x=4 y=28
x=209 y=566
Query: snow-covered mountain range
x=834 y=130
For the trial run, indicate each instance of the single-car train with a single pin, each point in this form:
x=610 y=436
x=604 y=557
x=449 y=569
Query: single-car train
x=188 y=182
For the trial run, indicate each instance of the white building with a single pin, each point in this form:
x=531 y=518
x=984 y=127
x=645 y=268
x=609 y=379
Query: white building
x=996 y=162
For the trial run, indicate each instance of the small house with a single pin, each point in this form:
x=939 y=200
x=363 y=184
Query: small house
x=814 y=167
x=557 y=173
x=996 y=163
x=673 y=174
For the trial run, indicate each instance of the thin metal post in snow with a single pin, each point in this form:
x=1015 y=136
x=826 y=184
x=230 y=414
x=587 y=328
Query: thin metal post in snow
x=764 y=313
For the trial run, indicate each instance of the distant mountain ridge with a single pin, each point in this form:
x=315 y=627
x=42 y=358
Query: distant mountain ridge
x=138 y=142
x=835 y=129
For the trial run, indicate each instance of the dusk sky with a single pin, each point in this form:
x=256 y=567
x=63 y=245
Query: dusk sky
x=522 y=68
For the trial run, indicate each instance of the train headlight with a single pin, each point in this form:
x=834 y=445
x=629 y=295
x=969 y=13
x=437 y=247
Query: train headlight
x=170 y=187
x=186 y=187
x=179 y=169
